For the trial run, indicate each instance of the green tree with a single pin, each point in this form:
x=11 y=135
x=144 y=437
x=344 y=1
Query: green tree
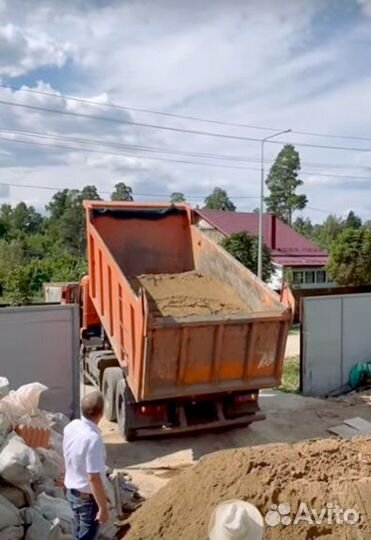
x=34 y=249
x=17 y=287
x=326 y=234
x=353 y=221
x=58 y=204
x=3 y=228
x=66 y=225
x=177 y=197
x=19 y=221
x=244 y=248
x=90 y=193
x=122 y=192
x=12 y=255
x=5 y=220
x=71 y=225
x=219 y=200
x=303 y=226
x=283 y=181
x=25 y=219
x=350 y=258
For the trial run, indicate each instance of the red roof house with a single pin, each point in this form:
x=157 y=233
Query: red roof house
x=289 y=249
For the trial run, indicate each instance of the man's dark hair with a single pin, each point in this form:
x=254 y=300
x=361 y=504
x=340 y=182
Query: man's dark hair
x=92 y=405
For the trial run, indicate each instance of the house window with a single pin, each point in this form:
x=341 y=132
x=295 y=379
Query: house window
x=309 y=276
x=321 y=276
x=298 y=277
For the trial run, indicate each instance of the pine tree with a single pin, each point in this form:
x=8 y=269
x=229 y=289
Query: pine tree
x=283 y=181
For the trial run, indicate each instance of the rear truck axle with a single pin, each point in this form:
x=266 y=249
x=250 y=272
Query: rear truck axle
x=156 y=419
x=148 y=419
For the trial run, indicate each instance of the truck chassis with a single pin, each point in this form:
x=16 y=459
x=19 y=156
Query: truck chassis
x=156 y=418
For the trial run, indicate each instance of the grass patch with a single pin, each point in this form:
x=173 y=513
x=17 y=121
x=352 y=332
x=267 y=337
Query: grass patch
x=294 y=330
x=291 y=375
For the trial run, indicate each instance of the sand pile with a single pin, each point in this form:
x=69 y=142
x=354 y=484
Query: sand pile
x=188 y=294
x=315 y=472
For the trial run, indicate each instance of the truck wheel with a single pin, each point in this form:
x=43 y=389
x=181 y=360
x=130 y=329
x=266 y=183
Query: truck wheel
x=83 y=377
x=111 y=376
x=124 y=411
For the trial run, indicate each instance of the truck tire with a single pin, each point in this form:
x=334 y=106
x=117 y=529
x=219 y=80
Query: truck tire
x=111 y=376
x=124 y=410
x=83 y=378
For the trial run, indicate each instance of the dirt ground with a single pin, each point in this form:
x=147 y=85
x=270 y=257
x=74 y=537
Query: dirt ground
x=292 y=345
x=188 y=294
x=289 y=418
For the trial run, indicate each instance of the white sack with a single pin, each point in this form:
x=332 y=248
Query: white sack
x=52 y=463
x=109 y=529
x=4 y=387
x=12 y=533
x=57 y=421
x=9 y=514
x=56 y=442
x=19 y=464
x=52 y=508
x=5 y=428
x=22 y=404
x=14 y=495
x=5 y=425
x=40 y=528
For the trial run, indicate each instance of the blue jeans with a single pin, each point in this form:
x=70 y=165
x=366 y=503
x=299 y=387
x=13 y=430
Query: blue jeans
x=85 y=526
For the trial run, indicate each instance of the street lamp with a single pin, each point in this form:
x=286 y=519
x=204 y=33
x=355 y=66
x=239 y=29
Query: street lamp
x=261 y=211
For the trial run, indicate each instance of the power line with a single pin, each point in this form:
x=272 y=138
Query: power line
x=174 y=115
x=174 y=129
x=156 y=158
x=146 y=148
x=54 y=188
x=135 y=147
x=318 y=210
x=153 y=195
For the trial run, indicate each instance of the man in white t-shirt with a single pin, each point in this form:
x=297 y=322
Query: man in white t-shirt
x=84 y=456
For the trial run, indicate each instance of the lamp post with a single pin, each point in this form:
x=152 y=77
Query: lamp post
x=261 y=211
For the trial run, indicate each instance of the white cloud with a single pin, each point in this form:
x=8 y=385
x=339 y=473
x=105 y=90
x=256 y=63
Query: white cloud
x=249 y=62
x=23 y=51
x=366 y=5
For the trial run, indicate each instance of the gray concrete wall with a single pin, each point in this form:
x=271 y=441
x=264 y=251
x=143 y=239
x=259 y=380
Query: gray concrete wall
x=41 y=344
x=336 y=335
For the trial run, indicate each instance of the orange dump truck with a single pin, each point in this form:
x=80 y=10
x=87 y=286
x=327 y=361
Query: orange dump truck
x=177 y=334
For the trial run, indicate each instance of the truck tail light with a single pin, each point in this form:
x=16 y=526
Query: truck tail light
x=246 y=398
x=152 y=410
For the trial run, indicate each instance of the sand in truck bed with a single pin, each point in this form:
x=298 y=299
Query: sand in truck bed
x=189 y=294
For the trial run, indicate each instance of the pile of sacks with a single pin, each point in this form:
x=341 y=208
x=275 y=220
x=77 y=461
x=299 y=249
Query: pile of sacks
x=32 y=498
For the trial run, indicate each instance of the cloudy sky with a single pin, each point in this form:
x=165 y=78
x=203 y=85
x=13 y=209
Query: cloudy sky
x=299 y=64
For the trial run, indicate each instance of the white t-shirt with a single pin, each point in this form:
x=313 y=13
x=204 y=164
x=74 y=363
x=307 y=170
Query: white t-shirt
x=84 y=453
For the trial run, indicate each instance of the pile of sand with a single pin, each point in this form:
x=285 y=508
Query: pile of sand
x=188 y=294
x=315 y=472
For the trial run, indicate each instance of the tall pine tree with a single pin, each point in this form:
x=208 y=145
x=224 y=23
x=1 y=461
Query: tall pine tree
x=283 y=181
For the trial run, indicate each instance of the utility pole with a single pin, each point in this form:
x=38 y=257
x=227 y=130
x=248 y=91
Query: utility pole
x=261 y=211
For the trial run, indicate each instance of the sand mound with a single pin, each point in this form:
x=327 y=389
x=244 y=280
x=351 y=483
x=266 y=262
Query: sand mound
x=188 y=294
x=315 y=472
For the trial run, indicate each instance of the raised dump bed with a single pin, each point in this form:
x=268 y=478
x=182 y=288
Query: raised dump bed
x=186 y=322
